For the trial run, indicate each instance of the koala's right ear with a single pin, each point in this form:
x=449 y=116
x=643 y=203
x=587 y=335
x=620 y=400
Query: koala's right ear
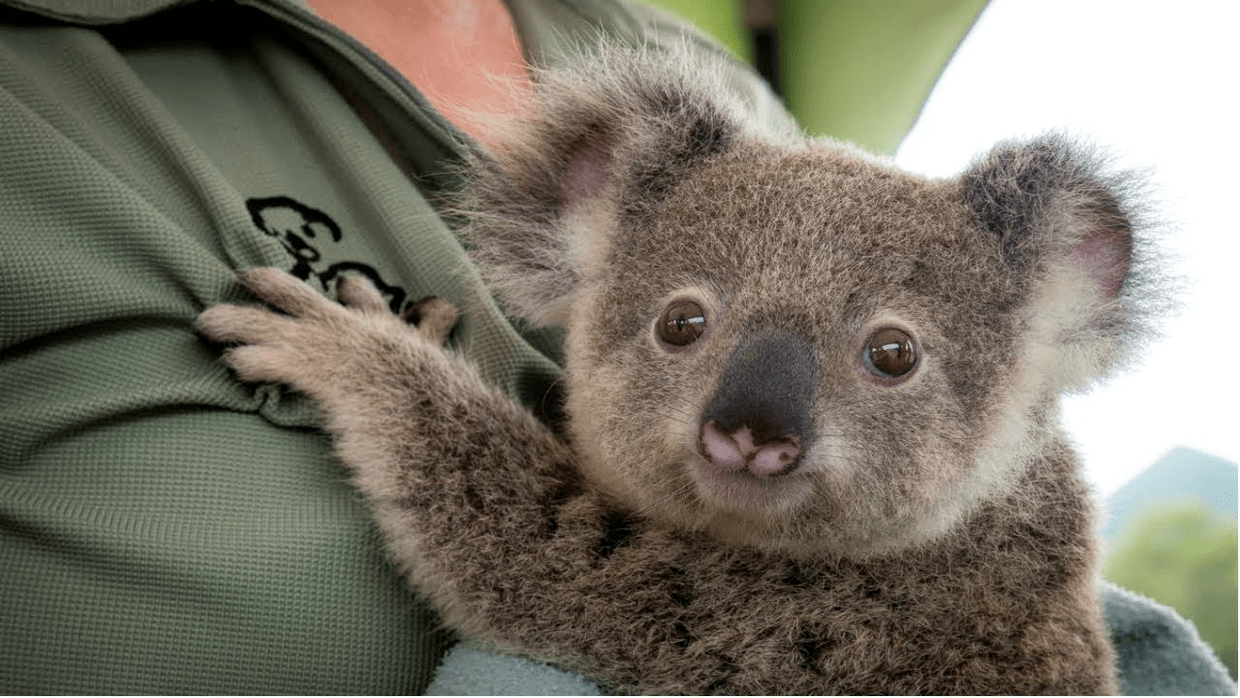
x=598 y=151
x=1073 y=233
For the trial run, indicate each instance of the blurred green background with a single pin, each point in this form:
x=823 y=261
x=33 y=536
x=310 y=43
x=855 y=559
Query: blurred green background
x=857 y=71
x=1182 y=554
x=1172 y=537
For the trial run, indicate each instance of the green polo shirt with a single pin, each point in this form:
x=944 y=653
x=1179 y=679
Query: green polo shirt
x=164 y=528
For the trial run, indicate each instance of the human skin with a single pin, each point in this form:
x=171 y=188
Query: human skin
x=463 y=55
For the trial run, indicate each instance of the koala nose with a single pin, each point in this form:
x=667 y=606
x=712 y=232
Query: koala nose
x=737 y=451
x=760 y=418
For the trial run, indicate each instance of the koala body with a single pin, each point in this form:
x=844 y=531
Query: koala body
x=812 y=441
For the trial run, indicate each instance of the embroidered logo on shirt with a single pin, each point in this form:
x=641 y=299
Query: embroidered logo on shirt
x=306 y=233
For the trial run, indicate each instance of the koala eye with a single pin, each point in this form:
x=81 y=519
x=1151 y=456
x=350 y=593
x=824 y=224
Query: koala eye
x=682 y=323
x=889 y=353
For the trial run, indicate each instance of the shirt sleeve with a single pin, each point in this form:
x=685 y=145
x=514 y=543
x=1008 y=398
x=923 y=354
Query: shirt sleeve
x=1159 y=652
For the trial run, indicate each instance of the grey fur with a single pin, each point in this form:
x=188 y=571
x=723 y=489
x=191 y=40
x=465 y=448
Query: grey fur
x=934 y=536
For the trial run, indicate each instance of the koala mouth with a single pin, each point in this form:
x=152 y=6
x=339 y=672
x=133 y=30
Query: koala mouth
x=755 y=488
x=743 y=491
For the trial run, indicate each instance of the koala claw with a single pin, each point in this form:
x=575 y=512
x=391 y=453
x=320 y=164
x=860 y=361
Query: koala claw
x=434 y=316
x=360 y=294
x=288 y=293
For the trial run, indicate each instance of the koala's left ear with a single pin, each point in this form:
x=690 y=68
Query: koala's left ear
x=1066 y=226
x=599 y=150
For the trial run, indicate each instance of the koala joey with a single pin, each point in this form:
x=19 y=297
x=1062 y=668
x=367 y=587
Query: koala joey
x=812 y=440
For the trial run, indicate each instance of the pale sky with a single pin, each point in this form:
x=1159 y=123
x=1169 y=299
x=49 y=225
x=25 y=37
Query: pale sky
x=1157 y=84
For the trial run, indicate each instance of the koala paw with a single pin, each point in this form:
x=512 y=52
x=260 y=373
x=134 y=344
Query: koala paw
x=318 y=346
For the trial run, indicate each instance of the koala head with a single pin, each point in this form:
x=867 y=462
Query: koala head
x=787 y=342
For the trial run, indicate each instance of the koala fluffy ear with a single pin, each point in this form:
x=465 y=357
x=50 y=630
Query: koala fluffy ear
x=599 y=149
x=1066 y=227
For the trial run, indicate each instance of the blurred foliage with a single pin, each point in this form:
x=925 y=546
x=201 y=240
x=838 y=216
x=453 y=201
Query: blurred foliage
x=1183 y=554
x=722 y=19
x=856 y=71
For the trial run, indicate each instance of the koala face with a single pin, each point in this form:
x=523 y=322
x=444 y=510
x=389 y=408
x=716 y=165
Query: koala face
x=802 y=349
x=789 y=343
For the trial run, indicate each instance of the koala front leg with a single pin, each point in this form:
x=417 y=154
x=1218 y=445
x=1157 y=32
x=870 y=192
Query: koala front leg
x=481 y=504
x=459 y=476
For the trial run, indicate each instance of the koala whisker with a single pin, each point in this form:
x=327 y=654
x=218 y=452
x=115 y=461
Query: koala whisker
x=683 y=415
